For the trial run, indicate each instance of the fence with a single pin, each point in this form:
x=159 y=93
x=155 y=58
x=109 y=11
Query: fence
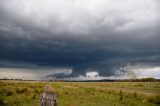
x=48 y=97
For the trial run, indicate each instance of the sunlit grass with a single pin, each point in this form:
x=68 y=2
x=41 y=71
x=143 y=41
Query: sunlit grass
x=21 y=93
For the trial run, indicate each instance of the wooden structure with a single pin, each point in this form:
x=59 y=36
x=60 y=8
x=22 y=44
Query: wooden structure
x=48 y=97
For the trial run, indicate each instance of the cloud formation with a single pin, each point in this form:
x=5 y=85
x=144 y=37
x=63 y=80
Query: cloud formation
x=82 y=35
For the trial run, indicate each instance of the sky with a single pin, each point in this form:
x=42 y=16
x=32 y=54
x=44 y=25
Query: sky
x=79 y=39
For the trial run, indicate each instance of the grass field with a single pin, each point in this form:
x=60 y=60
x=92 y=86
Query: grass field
x=23 y=93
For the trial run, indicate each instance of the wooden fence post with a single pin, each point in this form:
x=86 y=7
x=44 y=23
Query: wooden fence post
x=48 y=97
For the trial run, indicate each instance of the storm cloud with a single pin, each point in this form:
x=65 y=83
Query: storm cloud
x=100 y=36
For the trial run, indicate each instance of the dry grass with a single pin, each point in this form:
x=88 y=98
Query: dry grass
x=22 y=93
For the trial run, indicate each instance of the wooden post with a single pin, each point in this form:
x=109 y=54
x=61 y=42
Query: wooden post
x=48 y=97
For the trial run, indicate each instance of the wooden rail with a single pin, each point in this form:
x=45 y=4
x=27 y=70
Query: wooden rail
x=48 y=97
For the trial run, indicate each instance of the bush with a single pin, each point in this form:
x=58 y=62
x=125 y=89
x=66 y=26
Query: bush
x=36 y=91
x=34 y=96
x=135 y=94
x=10 y=93
x=154 y=99
x=1 y=101
x=18 y=90
x=139 y=85
x=121 y=95
x=24 y=90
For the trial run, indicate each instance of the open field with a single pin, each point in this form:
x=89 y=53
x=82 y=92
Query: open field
x=23 y=93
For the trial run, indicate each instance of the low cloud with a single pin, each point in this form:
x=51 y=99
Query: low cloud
x=32 y=73
x=126 y=72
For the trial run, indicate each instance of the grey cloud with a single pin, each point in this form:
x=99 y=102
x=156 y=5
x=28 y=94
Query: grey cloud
x=82 y=35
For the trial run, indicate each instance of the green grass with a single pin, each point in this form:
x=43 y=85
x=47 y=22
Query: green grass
x=22 y=93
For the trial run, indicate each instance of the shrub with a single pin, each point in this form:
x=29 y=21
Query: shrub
x=36 y=91
x=139 y=85
x=34 y=96
x=121 y=95
x=1 y=101
x=18 y=90
x=10 y=93
x=24 y=90
x=135 y=94
x=154 y=99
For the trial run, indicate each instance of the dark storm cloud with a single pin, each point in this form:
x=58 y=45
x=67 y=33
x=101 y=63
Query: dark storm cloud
x=82 y=35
